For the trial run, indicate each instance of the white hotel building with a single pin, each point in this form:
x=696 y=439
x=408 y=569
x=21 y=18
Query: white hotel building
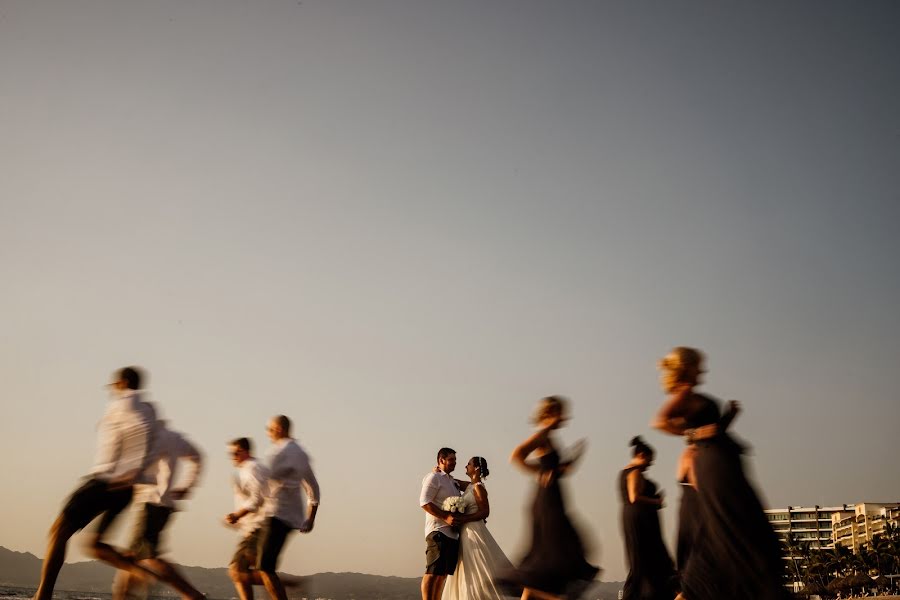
x=821 y=527
x=807 y=524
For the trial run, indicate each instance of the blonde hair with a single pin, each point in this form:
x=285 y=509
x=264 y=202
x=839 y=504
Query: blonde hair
x=549 y=406
x=681 y=365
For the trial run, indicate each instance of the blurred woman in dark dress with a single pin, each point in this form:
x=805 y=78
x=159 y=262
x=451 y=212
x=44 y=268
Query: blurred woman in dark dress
x=689 y=523
x=651 y=574
x=737 y=556
x=555 y=564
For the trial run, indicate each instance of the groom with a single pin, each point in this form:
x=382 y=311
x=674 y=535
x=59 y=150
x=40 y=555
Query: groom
x=441 y=539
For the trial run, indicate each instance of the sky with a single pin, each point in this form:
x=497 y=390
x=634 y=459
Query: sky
x=401 y=223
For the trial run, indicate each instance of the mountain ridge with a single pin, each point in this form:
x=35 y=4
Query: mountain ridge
x=22 y=569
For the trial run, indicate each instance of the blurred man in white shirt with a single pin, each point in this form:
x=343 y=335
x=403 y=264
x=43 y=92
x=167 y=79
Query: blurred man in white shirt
x=250 y=492
x=156 y=498
x=293 y=501
x=124 y=439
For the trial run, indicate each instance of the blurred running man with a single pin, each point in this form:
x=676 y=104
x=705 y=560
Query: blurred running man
x=156 y=498
x=124 y=440
x=251 y=484
x=288 y=508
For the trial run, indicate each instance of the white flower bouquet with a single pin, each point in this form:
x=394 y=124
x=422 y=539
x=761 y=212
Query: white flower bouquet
x=455 y=505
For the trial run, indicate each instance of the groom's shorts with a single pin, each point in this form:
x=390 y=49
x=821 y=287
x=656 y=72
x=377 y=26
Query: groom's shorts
x=441 y=554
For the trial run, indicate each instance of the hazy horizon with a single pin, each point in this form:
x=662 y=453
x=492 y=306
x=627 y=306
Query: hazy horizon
x=402 y=223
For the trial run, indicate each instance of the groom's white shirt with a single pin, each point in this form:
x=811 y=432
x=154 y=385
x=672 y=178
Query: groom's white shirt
x=437 y=487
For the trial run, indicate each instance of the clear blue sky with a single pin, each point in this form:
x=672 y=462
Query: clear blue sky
x=401 y=223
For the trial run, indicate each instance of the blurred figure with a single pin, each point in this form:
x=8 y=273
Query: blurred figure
x=689 y=521
x=480 y=557
x=651 y=574
x=555 y=564
x=124 y=440
x=293 y=501
x=688 y=509
x=738 y=555
x=156 y=499
x=251 y=486
x=441 y=533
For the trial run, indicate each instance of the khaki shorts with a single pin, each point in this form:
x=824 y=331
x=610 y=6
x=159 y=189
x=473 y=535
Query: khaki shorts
x=147 y=531
x=246 y=553
x=441 y=554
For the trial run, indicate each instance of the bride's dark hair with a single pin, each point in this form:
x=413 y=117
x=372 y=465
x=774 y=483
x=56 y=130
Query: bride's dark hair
x=481 y=465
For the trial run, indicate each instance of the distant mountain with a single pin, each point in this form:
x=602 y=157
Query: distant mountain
x=22 y=569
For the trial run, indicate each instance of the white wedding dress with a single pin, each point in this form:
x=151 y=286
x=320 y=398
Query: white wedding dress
x=480 y=560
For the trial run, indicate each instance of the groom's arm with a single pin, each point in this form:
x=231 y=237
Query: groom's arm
x=448 y=517
x=426 y=501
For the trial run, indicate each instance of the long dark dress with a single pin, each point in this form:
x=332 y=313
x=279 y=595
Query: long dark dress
x=688 y=524
x=651 y=575
x=555 y=563
x=736 y=553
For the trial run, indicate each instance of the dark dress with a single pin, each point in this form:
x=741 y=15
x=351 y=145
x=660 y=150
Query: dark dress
x=734 y=552
x=651 y=575
x=688 y=524
x=555 y=563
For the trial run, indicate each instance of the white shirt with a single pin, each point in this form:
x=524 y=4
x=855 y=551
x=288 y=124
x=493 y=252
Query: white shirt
x=437 y=487
x=124 y=437
x=289 y=469
x=170 y=449
x=250 y=492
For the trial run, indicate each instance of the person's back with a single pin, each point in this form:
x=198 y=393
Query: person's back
x=292 y=483
x=178 y=450
x=287 y=510
x=125 y=439
x=157 y=498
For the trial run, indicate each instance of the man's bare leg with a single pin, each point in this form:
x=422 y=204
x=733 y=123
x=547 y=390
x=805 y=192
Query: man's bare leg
x=167 y=573
x=439 y=587
x=108 y=554
x=128 y=587
x=426 y=586
x=242 y=582
x=59 y=536
x=254 y=577
x=121 y=585
x=273 y=585
x=432 y=586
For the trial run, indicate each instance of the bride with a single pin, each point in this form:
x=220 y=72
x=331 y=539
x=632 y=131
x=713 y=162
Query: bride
x=480 y=557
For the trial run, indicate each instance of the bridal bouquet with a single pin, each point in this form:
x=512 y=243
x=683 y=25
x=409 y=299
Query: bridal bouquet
x=455 y=504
